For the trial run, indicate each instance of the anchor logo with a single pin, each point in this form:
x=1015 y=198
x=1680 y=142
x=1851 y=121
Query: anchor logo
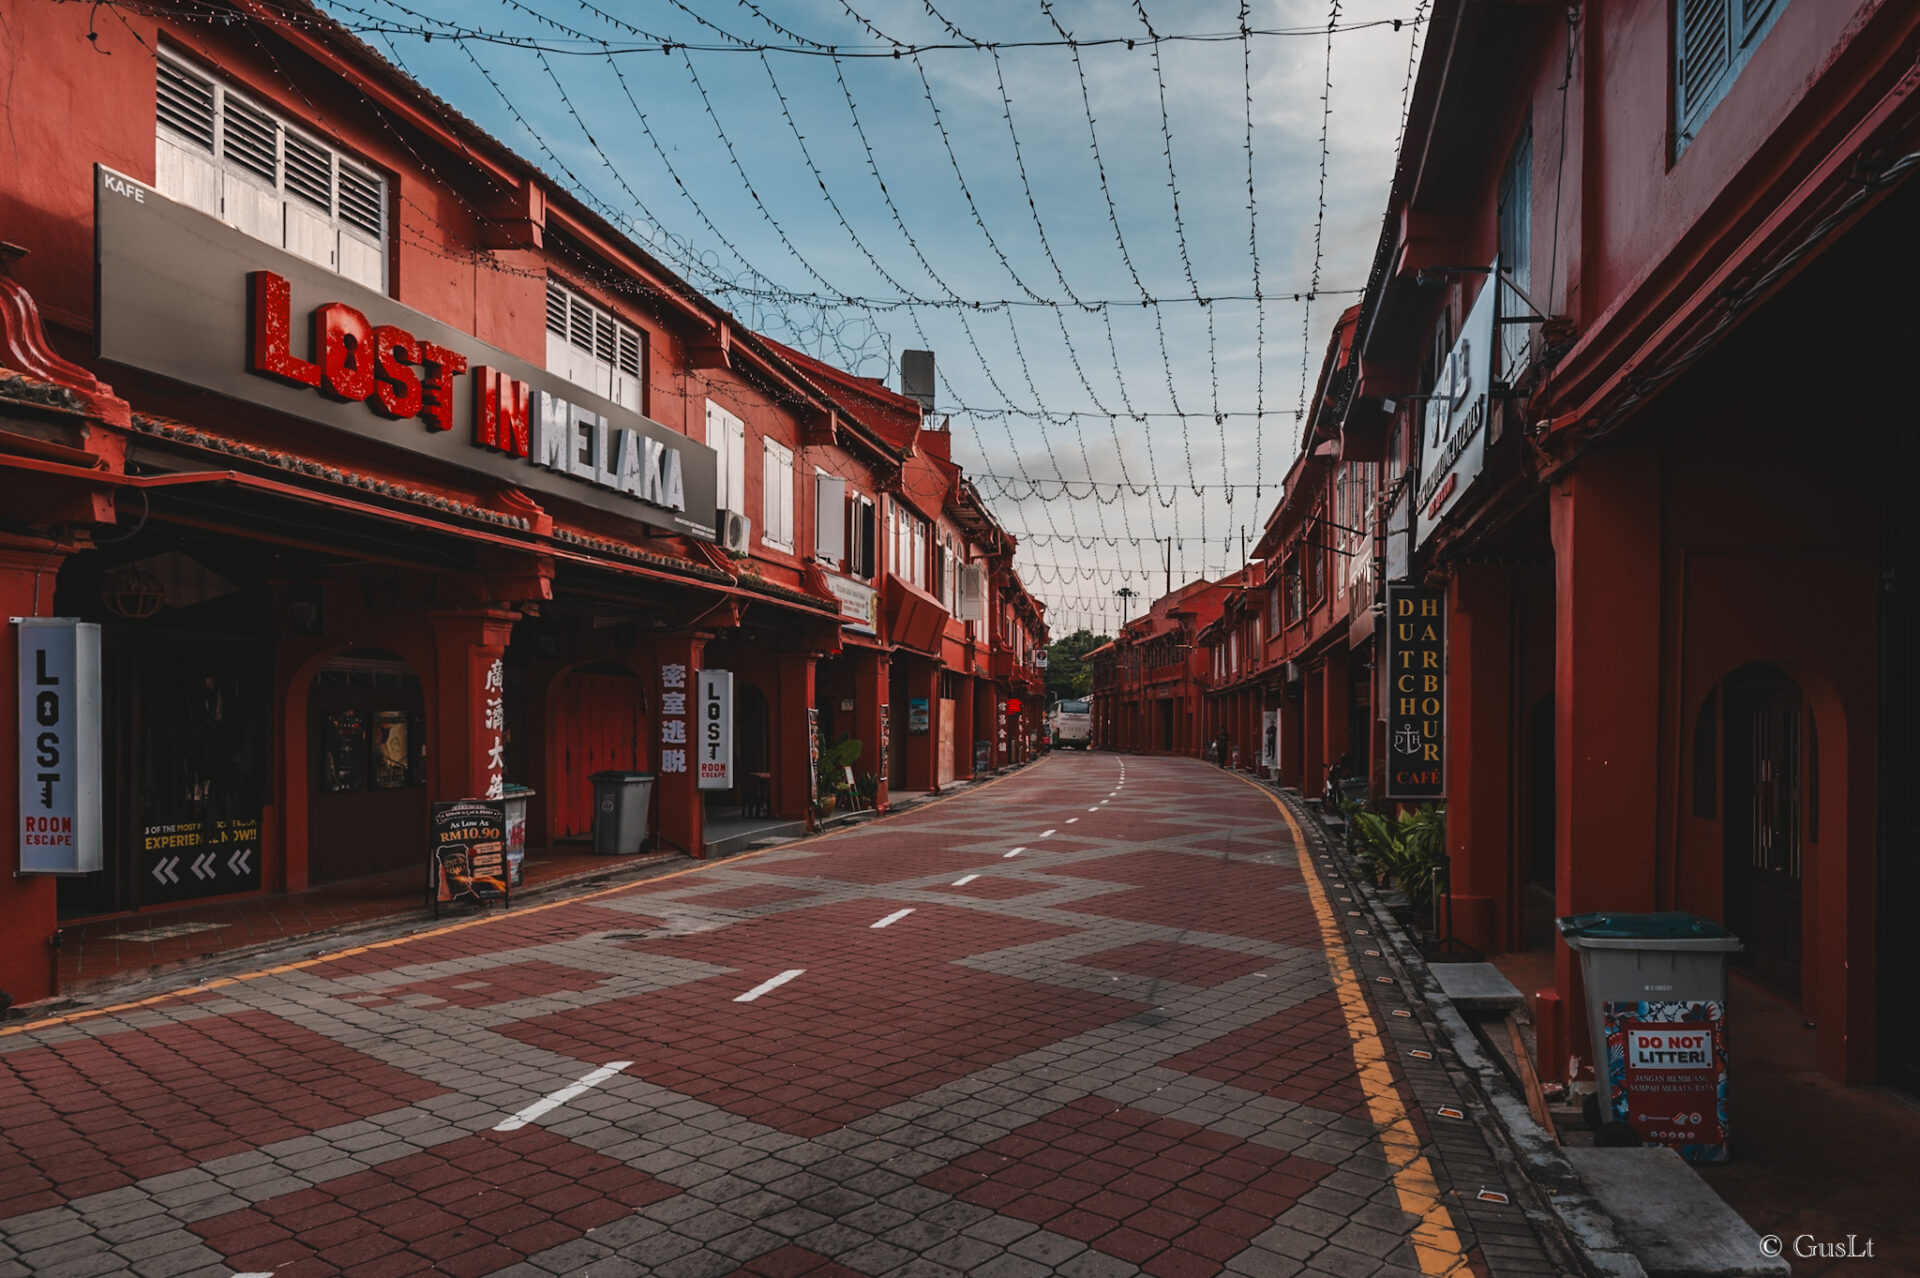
x=1407 y=739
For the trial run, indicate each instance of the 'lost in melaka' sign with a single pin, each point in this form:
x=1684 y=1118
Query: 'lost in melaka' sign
x=1416 y=693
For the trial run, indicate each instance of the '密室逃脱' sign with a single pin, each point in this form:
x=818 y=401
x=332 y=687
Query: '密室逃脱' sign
x=188 y=297
x=1416 y=677
x=59 y=745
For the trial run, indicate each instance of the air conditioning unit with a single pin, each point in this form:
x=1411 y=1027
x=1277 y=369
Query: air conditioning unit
x=736 y=531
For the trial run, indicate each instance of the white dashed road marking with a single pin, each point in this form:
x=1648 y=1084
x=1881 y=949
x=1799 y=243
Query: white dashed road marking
x=561 y=1097
x=1071 y=820
x=894 y=917
x=965 y=879
x=771 y=984
x=1015 y=852
x=1046 y=834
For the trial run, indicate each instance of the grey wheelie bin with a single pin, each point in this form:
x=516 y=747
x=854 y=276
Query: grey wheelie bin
x=1657 y=1013
x=620 y=804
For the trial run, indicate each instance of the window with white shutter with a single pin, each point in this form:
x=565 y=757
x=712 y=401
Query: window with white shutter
x=829 y=516
x=596 y=351
x=218 y=151
x=727 y=437
x=1712 y=40
x=776 y=495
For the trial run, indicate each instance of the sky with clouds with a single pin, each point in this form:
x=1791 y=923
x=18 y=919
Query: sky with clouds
x=862 y=205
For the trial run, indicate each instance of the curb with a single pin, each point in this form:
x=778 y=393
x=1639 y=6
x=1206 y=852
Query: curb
x=1576 y=1231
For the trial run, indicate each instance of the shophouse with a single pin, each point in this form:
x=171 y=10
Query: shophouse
x=1149 y=682
x=392 y=473
x=1626 y=251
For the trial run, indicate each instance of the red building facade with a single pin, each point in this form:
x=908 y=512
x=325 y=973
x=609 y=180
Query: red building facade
x=392 y=474
x=1622 y=391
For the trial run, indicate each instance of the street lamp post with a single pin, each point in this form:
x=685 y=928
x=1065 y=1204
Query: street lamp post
x=1126 y=594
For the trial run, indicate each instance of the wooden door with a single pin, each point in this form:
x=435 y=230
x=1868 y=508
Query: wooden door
x=598 y=725
x=1765 y=789
x=367 y=785
x=946 y=766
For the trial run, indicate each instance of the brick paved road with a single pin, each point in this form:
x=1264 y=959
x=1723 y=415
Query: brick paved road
x=1087 y=1020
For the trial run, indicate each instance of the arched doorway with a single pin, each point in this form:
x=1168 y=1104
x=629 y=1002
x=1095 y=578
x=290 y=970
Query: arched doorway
x=1766 y=782
x=599 y=718
x=367 y=805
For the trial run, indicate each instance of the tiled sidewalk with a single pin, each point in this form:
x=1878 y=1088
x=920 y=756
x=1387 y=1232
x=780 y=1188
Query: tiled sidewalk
x=1028 y=1031
x=96 y=953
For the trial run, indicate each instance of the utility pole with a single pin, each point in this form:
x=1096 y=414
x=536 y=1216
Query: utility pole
x=1169 y=565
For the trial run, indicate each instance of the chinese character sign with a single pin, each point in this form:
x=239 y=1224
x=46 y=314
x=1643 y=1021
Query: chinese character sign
x=673 y=717
x=714 y=731
x=493 y=722
x=60 y=818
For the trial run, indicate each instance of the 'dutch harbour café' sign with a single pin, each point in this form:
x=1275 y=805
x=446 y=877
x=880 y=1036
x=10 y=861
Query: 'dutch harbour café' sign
x=1416 y=678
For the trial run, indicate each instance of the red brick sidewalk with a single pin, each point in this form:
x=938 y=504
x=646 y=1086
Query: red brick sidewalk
x=97 y=953
x=1026 y=1031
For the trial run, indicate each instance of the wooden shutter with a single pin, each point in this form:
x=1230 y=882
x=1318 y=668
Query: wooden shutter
x=1701 y=41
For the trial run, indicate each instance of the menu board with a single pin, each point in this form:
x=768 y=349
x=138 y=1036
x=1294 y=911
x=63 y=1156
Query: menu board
x=467 y=851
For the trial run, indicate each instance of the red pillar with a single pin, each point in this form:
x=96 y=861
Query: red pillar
x=1479 y=755
x=677 y=804
x=28 y=566
x=465 y=752
x=1292 y=740
x=869 y=694
x=1337 y=712
x=922 y=683
x=790 y=755
x=1606 y=545
x=1312 y=732
x=963 y=729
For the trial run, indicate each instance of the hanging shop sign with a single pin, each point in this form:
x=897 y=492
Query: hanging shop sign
x=1667 y=1074
x=715 y=728
x=468 y=853
x=1453 y=440
x=859 y=603
x=1416 y=656
x=59 y=743
x=813 y=755
x=186 y=296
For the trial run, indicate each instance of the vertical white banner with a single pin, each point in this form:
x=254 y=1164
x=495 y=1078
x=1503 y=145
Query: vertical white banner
x=713 y=729
x=59 y=713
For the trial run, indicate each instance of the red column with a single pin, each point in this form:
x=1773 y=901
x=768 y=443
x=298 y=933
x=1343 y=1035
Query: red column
x=465 y=752
x=1606 y=545
x=1337 y=709
x=790 y=756
x=923 y=682
x=1479 y=768
x=869 y=694
x=28 y=566
x=1312 y=732
x=963 y=729
x=677 y=804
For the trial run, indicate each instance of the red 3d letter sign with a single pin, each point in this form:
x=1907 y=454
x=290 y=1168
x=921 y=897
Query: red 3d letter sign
x=352 y=359
x=401 y=377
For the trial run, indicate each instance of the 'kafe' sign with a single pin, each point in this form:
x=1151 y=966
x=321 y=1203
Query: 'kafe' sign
x=59 y=745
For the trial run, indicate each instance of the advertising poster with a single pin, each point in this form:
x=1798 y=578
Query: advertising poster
x=1416 y=661
x=919 y=716
x=343 y=749
x=1667 y=1074
x=185 y=860
x=1270 y=740
x=468 y=852
x=886 y=742
x=392 y=761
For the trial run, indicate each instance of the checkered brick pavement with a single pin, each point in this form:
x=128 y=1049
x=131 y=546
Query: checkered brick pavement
x=1114 y=1023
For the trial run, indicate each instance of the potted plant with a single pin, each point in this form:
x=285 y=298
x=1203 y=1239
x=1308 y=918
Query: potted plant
x=1409 y=848
x=834 y=762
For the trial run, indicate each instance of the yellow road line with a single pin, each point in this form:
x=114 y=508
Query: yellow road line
x=1434 y=1240
x=336 y=955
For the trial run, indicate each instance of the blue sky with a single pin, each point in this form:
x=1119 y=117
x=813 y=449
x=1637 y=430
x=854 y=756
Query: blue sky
x=639 y=134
